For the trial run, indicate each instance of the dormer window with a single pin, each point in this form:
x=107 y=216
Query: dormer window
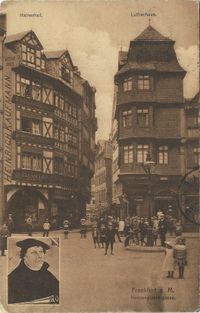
x=65 y=74
x=31 y=56
x=127 y=84
x=143 y=82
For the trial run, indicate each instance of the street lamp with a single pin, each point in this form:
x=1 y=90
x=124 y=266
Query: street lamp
x=148 y=167
x=125 y=200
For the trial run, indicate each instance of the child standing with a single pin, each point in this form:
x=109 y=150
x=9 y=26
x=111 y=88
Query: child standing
x=66 y=228
x=180 y=255
x=168 y=263
x=95 y=235
x=46 y=228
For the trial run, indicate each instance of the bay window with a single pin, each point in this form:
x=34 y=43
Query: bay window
x=31 y=162
x=127 y=84
x=163 y=155
x=143 y=117
x=127 y=118
x=142 y=151
x=128 y=154
x=143 y=82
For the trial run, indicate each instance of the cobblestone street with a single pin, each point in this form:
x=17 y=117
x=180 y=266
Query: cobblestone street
x=91 y=281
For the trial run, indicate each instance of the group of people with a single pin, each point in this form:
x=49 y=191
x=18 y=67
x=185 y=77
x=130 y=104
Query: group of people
x=104 y=232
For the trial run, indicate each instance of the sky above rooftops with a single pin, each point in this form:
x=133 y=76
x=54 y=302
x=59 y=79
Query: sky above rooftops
x=94 y=31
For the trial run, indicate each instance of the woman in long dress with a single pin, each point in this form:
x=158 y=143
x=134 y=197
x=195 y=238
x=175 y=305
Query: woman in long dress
x=168 y=263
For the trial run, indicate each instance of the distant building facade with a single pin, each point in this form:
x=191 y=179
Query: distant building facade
x=118 y=205
x=42 y=125
x=153 y=121
x=103 y=177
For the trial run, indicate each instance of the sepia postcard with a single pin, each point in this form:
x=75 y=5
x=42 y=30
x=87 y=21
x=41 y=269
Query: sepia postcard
x=99 y=156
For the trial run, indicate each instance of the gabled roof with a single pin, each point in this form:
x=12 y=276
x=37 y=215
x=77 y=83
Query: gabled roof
x=57 y=55
x=19 y=36
x=151 y=34
x=54 y=54
x=16 y=37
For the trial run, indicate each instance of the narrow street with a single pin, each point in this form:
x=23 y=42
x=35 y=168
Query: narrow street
x=92 y=282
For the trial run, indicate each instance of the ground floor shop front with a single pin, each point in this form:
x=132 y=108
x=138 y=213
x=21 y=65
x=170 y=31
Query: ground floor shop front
x=41 y=203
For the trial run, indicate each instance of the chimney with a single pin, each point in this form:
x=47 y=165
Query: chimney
x=2 y=24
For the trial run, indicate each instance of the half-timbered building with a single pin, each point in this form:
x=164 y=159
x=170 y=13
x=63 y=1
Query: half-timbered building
x=42 y=132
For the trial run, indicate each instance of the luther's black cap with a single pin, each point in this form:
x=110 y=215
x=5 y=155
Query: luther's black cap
x=30 y=242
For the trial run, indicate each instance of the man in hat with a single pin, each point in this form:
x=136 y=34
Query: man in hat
x=162 y=229
x=31 y=280
x=110 y=238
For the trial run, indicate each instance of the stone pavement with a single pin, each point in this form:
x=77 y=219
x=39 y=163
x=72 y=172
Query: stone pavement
x=125 y=281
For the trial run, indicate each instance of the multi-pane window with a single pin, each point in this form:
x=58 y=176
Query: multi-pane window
x=196 y=155
x=142 y=151
x=143 y=82
x=31 y=162
x=59 y=133
x=26 y=161
x=36 y=163
x=26 y=125
x=36 y=91
x=127 y=84
x=128 y=154
x=32 y=89
x=25 y=90
x=31 y=56
x=36 y=127
x=59 y=102
x=31 y=126
x=58 y=166
x=143 y=117
x=163 y=155
x=65 y=73
x=127 y=118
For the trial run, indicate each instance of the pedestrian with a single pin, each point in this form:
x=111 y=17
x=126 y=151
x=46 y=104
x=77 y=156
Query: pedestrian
x=4 y=233
x=121 y=227
x=83 y=228
x=46 y=228
x=10 y=224
x=162 y=229
x=143 y=231
x=180 y=256
x=135 y=227
x=102 y=235
x=128 y=233
x=110 y=238
x=116 y=228
x=168 y=263
x=95 y=235
x=155 y=235
x=178 y=228
x=66 y=228
x=29 y=226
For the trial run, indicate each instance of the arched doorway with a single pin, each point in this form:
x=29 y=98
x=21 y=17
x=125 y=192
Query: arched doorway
x=164 y=200
x=27 y=202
